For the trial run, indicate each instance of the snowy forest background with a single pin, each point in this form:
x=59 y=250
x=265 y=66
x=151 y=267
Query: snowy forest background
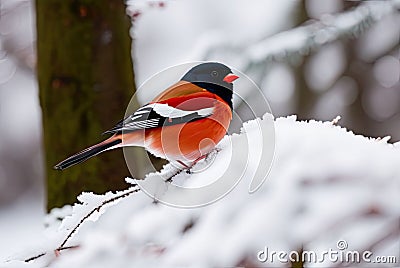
x=314 y=59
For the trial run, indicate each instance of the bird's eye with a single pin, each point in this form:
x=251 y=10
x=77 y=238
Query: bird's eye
x=214 y=73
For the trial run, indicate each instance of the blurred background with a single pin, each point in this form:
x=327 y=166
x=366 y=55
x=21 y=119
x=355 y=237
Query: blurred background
x=331 y=64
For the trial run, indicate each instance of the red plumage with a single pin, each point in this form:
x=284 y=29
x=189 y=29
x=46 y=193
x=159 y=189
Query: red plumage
x=183 y=123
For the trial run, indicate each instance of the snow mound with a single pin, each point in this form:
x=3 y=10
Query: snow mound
x=326 y=184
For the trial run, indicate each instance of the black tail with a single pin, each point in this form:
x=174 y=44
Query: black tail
x=86 y=154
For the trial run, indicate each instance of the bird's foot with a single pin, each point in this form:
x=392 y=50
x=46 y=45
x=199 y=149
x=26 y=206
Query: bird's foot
x=206 y=160
x=203 y=162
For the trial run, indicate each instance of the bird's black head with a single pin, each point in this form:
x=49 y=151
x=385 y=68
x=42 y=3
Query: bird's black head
x=214 y=77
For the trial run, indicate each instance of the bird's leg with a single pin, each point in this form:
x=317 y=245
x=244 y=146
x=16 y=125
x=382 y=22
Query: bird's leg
x=200 y=158
x=205 y=156
x=183 y=164
x=189 y=169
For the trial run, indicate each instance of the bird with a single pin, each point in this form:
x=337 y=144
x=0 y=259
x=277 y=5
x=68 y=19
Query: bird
x=183 y=124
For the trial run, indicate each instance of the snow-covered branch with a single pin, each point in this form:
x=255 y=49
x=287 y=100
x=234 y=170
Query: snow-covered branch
x=291 y=45
x=90 y=208
x=301 y=40
x=326 y=184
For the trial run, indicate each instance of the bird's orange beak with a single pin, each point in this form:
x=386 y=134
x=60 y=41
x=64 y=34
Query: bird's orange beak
x=230 y=78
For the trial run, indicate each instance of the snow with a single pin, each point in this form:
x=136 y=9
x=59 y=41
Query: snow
x=187 y=30
x=387 y=71
x=20 y=225
x=326 y=184
x=327 y=30
x=325 y=67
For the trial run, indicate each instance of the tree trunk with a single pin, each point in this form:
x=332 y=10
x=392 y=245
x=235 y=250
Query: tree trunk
x=86 y=81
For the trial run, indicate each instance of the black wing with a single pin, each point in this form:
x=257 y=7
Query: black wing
x=157 y=115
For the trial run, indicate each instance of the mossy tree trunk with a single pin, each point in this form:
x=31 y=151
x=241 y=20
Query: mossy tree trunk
x=86 y=80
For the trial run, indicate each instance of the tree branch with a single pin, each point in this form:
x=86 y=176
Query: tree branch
x=133 y=189
x=97 y=209
x=292 y=45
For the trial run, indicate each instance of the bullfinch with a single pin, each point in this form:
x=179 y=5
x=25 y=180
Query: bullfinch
x=182 y=124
